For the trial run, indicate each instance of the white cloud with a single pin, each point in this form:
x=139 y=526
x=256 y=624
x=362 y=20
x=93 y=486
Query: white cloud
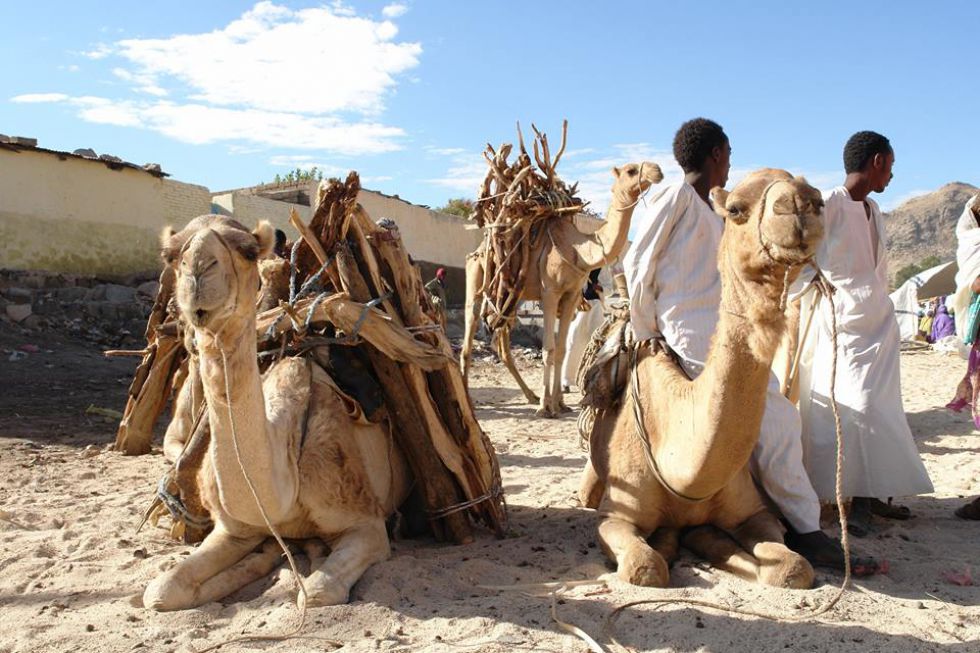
x=35 y=98
x=272 y=58
x=465 y=173
x=100 y=51
x=306 y=79
x=394 y=10
x=446 y=151
x=199 y=124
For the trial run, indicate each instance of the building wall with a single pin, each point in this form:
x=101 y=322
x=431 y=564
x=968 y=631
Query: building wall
x=76 y=216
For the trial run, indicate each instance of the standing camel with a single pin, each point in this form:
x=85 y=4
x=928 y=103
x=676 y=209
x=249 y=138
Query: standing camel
x=558 y=265
x=674 y=456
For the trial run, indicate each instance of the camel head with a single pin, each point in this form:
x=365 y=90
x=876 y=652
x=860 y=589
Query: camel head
x=215 y=260
x=633 y=179
x=771 y=218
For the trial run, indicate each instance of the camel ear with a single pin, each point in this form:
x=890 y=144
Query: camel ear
x=719 y=197
x=265 y=235
x=728 y=207
x=616 y=172
x=167 y=252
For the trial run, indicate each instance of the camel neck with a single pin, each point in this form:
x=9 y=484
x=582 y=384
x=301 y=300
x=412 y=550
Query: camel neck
x=240 y=432
x=610 y=239
x=724 y=405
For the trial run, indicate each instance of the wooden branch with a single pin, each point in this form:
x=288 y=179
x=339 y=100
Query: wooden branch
x=151 y=384
x=561 y=150
x=436 y=484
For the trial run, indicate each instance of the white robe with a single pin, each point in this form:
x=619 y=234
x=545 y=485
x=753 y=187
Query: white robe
x=880 y=456
x=675 y=290
x=968 y=264
x=579 y=335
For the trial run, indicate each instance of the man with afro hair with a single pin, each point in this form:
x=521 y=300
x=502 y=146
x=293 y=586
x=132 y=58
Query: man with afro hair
x=675 y=291
x=880 y=457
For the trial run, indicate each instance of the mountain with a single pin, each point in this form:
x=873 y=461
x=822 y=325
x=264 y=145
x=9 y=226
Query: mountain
x=926 y=225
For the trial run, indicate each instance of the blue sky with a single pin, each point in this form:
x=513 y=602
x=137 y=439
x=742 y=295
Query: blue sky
x=407 y=92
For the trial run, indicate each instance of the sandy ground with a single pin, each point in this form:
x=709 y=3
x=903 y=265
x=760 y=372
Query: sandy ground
x=73 y=567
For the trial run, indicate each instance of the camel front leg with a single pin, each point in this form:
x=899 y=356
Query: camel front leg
x=566 y=313
x=637 y=562
x=471 y=315
x=591 y=488
x=472 y=321
x=762 y=535
x=350 y=556
x=549 y=312
x=501 y=339
x=717 y=547
x=199 y=578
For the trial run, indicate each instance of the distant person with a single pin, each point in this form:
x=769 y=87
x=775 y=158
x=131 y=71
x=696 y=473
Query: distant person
x=581 y=329
x=437 y=291
x=280 y=249
x=880 y=456
x=942 y=323
x=925 y=323
x=966 y=303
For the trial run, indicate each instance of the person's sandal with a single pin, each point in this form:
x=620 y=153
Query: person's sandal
x=890 y=510
x=969 y=511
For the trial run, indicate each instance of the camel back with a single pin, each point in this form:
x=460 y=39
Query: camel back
x=516 y=208
x=355 y=306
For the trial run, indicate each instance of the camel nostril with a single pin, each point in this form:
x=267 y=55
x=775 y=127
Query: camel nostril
x=200 y=313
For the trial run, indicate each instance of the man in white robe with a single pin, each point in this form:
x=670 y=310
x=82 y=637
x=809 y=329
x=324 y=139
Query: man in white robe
x=880 y=456
x=675 y=291
x=581 y=329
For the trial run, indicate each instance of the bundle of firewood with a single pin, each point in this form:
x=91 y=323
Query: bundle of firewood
x=347 y=273
x=516 y=204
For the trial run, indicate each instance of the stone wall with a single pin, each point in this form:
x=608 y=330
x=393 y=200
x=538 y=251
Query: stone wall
x=66 y=214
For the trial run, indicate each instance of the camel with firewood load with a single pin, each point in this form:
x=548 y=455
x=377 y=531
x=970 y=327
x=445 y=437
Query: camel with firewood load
x=552 y=259
x=285 y=449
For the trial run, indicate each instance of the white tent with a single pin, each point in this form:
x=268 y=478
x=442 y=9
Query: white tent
x=934 y=282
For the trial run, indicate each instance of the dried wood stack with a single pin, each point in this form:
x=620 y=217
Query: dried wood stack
x=158 y=373
x=517 y=202
x=358 y=275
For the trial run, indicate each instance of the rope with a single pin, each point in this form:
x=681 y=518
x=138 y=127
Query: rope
x=265 y=517
x=826 y=289
x=493 y=493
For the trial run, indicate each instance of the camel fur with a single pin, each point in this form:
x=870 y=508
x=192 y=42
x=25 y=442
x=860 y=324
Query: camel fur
x=701 y=433
x=560 y=262
x=319 y=474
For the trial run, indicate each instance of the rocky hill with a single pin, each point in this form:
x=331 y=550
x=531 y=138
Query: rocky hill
x=926 y=225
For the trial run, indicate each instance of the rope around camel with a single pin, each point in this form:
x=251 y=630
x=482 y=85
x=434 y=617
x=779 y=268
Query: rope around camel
x=297 y=578
x=554 y=589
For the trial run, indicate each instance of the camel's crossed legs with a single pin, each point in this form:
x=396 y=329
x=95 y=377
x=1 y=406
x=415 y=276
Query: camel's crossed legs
x=225 y=563
x=770 y=561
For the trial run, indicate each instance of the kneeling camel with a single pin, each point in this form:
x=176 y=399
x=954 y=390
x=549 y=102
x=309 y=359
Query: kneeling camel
x=287 y=438
x=670 y=467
